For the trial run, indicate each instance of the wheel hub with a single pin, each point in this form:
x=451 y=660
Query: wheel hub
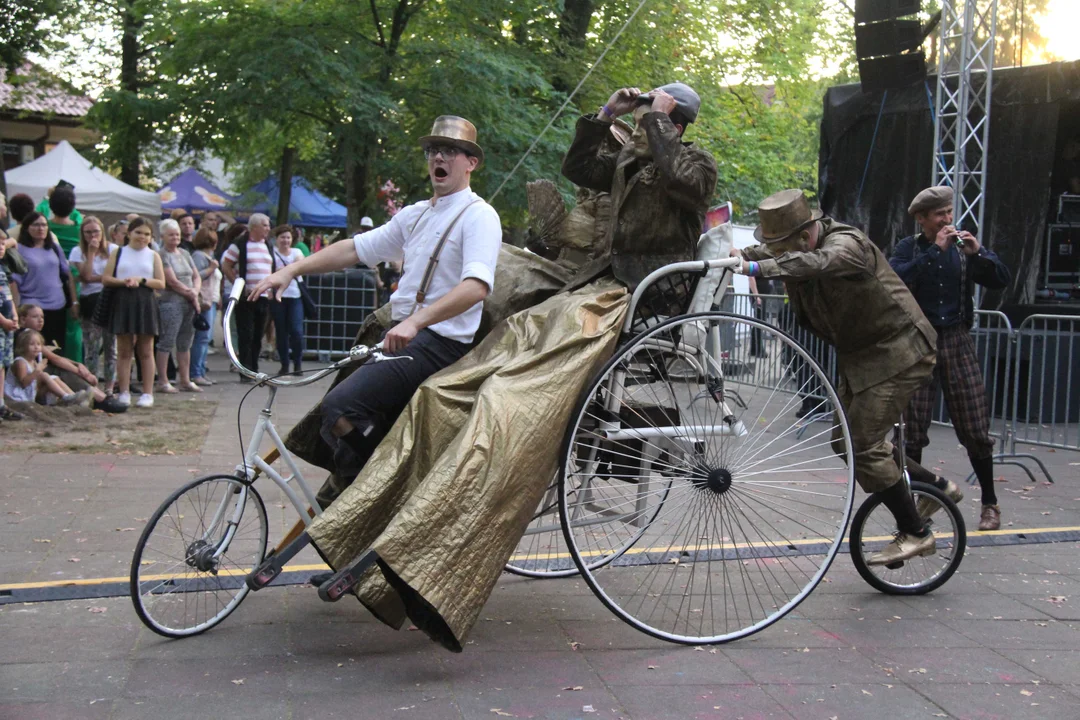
x=200 y=555
x=718 y=480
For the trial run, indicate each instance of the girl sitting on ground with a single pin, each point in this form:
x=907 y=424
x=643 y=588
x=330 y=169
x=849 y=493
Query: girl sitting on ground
x=135 y=272
x=27 y=380
x=70 y=373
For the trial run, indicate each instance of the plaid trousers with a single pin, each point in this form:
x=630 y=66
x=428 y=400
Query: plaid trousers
x=964 y=392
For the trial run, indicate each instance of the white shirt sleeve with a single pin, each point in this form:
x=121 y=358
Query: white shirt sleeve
x=480 y=242
x=76 y=255
x=385 y=243
x=231 y=254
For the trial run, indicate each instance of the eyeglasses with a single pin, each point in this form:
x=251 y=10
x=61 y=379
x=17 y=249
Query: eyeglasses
x=449 y=152
x=92 y=233
x=39 y=225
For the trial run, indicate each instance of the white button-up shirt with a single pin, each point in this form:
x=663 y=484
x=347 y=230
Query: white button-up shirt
x=471 y=252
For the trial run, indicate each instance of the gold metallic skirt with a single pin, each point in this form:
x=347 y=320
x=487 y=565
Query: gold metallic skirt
x=448 y=493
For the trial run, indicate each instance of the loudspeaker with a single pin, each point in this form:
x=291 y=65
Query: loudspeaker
x=892 y=71
x=887 y=38
x=867 y=11
x=888 y=48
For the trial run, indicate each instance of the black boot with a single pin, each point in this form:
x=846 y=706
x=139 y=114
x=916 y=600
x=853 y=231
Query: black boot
x=808 y=405
x=901 y=504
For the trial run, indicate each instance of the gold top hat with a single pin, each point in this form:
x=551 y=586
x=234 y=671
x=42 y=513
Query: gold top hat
x=456 y=131
x=782 y=215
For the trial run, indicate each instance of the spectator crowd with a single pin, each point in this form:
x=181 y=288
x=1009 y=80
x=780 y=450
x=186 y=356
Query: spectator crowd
x=97 y=315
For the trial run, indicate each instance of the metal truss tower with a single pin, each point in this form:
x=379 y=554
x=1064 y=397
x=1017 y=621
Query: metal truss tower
x=962 y=105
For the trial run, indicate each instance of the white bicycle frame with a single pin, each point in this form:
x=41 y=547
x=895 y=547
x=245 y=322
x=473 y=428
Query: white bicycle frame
x=264 y=426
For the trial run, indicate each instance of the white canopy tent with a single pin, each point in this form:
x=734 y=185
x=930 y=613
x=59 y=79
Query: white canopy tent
x=95 y=190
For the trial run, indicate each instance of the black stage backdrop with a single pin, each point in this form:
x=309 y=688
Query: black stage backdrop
x=1024 y=122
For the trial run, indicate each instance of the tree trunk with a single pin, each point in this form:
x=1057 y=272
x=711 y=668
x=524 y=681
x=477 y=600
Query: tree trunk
x=573 y=26
x=288 y=157
x=129 y=82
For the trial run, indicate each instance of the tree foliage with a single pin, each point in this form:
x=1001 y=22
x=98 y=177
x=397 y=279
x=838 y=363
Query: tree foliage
x=349 y=87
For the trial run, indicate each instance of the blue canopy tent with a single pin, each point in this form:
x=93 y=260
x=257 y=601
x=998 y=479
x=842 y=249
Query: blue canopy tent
x=192 y=191
x=307 y=207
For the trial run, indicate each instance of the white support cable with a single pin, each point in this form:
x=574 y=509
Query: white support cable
x=568 y=99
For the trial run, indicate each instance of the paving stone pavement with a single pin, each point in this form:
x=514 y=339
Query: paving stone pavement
x=1000 y=640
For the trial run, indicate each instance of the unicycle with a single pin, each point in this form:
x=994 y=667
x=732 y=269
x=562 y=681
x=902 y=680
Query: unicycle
x=873 y=527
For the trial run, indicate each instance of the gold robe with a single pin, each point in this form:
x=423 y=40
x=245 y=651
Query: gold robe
x=448 y=493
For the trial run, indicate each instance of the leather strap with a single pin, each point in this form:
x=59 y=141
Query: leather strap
x=433 y=261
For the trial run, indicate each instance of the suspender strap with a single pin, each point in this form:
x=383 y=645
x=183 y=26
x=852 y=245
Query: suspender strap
x=433 y=261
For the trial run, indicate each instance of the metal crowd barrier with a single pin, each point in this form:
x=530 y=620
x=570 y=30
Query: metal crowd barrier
x=1032 y=385
x=344 y=299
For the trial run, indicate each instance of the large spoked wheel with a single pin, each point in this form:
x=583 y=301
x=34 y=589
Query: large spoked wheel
x=542 y=551
x=873 y=527
x=188 y=571
x=690 y=501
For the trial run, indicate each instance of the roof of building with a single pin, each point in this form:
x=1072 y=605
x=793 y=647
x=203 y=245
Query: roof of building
x=37 y=92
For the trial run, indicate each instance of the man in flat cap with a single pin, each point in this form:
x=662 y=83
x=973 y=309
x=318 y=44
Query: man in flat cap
x=940 y=266
x=660 y=186
x=842 y=289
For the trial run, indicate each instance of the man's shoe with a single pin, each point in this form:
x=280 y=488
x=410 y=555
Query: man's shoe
x=808 y=406
x=927 y=506
x=319 y=578
x=146 y=400
x=124 y=399
x=904 y=547
x=112 y=405
x=7 y=413
x=990 y=518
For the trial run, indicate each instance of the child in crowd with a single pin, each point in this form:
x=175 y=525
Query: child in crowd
x=27 y=380
x=71 y=374
x=135 y=272
x=9 y=323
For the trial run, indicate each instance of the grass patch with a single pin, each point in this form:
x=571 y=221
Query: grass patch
x=176 y=425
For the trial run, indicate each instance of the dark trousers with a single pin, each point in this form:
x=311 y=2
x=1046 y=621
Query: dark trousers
x=55 y=329
x=375 y=394
x=288 y=318
x=250 y=323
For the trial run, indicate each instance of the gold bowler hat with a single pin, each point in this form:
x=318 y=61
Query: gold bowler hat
x=782 y=215
x=456 y=131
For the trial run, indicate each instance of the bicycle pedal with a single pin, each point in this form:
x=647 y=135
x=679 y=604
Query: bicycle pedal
x=336 y=587
x=895 y=565
x=264 y=574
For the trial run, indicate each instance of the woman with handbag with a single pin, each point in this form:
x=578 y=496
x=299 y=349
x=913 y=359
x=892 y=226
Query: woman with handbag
x=130 y=311
x=47 y=281
x=177 y=307
x=89 y=258
x=288 y=313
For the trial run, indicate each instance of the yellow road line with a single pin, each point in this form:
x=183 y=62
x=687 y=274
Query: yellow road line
x=318 y=567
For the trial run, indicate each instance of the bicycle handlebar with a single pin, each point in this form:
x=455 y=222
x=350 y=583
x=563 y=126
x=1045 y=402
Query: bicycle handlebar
x=356 y=354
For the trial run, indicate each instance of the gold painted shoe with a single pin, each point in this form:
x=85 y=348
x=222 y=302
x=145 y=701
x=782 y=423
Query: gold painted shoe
x=927 y=506
x=904 y=547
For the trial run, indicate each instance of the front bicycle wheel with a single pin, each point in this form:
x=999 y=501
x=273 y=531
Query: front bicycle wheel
x=704 y=514
x=873 y=528
x=189 y=567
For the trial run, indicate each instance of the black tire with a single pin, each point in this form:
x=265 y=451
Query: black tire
x=733 y=537
x=155 y=591
x=917 y=576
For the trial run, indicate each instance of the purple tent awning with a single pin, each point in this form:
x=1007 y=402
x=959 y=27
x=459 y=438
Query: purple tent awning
x=191 y=191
